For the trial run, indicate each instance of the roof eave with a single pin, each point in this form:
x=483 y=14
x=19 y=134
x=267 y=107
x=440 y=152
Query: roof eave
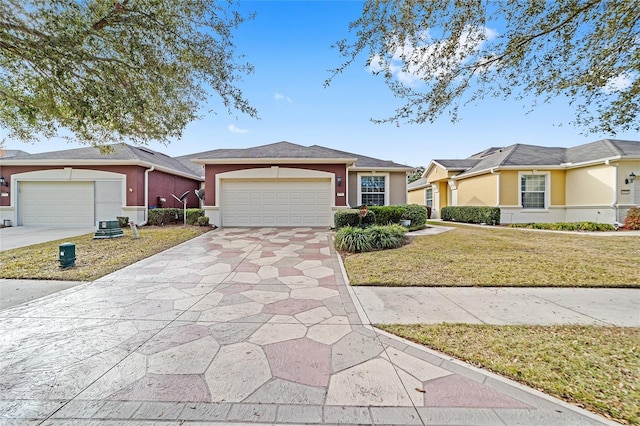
x=381 y=169
x=66 y=163
x=275 y=160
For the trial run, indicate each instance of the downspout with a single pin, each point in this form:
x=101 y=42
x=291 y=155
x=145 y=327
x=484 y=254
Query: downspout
x=146 y=195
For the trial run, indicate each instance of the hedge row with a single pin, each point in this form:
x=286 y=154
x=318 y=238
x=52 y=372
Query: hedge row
x=566 y=226
x=383 y=215
x=471 y=214
x=159 y=217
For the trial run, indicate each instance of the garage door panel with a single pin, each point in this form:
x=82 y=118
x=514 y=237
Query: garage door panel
x=275 y=203
x=57 y=203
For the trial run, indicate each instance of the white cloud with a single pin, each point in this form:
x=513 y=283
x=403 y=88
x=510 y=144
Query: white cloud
x=279 y=97
x=233 y=129
x=408 y=60
x=620 y=82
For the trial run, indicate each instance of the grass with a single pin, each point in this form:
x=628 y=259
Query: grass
x=94 y=258
x=597 y=368
x=474 y=256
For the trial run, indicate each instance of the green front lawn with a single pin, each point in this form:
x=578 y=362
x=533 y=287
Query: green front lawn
x=94 y=258
x=597 y=368
x=470 y=256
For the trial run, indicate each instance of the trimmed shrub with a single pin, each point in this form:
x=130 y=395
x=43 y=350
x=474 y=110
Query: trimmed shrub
x=203 y=221
x=359 y=240
x=471 y=214
x=163 y=216
x=123 y=221
x=351 y=218
x=566 y=226
x=387 y=214
x=416 y=214
x=632 y=221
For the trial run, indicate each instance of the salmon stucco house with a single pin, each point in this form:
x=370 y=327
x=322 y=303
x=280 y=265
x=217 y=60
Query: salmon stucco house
x=280 y=184
x=591 y=182
x=285 y=184
x=80 y=187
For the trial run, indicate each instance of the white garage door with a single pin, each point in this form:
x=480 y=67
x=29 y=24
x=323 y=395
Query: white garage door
x=56 y=203
x=275 y=202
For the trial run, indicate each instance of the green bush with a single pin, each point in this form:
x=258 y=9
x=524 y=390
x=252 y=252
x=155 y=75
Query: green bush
x=353 y=240
x=386 y=237
x=163 y=216
x=359 y=240
x=416 y=214
x=471 y=214
x=123 y=221
x=203 y=221
x=566 y=226
x=632 y=221
x=387 y=214
x=350 y=217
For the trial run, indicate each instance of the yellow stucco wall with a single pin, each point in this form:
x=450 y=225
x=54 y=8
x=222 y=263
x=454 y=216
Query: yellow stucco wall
x=479 y=190
x=416 y=196
x=437 y=173
x=509 y=188
x=444 y=199
x=558 y=187
x=590 y=185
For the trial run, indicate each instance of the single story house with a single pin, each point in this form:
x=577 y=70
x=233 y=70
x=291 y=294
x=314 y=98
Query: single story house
x=80 y=187
x=285 y=184
x=280 y=184
x=591 y=182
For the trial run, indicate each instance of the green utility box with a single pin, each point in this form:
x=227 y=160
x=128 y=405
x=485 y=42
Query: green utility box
x=108 y=229
x=67 y=255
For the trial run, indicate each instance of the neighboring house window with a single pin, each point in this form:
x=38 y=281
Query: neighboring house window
x=373 y=190
x=428 y=197
x=533 y=191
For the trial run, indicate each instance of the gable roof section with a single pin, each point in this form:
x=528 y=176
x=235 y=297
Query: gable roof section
x=523 y=155
x=122 y=154
x=288 y=152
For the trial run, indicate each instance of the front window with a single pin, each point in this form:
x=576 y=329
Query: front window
x=428 y=197
x=372 y=190
x=533 y=191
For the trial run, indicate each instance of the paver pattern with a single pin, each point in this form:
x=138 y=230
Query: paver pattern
x=237 y=325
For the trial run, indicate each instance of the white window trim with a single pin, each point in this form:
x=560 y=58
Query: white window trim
x=386 y=186
x=425 y=196
x=547 y=189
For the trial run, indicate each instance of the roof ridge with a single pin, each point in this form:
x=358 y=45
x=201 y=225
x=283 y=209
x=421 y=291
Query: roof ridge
x=513 y=150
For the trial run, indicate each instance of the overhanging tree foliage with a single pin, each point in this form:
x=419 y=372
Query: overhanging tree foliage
x=106 y=70
x=438 y=55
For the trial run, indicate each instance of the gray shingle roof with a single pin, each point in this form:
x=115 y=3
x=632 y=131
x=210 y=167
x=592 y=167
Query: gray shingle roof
x=417 y=184
x=120 y=152
x=8 y=153
x=533 y=155
x=292 y=151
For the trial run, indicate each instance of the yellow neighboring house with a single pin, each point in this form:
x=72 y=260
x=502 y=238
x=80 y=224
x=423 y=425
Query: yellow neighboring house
x=591 y=182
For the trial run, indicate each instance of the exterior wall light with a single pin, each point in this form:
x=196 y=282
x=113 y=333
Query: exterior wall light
x=339 y=180
x=630 y=179
x=3 y=181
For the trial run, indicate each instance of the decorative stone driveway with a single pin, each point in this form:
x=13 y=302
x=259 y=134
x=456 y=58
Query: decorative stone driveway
x=238 y=325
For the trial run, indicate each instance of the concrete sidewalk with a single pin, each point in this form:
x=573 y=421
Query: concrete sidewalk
x=500 y=306
x=239 y=325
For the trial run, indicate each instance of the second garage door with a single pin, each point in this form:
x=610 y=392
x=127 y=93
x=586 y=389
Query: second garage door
x=276 y=202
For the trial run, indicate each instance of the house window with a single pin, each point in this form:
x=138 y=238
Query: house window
x=373 y=190
x=533 y=191
x=428 y=197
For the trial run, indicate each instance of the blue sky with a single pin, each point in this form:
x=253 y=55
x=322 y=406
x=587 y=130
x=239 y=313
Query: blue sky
x=289 y=43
